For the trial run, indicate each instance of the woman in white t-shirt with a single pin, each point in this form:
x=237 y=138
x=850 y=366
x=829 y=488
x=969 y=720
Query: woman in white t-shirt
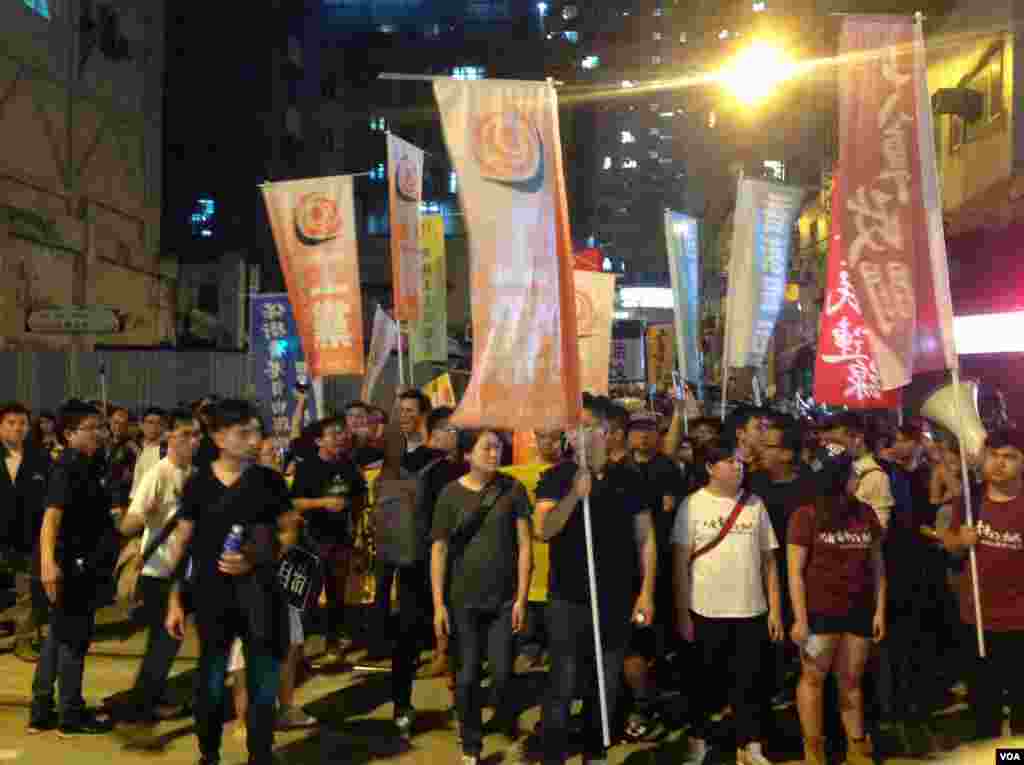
x=728 y=598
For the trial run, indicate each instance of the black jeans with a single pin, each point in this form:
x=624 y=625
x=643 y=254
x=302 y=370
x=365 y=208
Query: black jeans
x=161 y=647
x=384 y=573
x=478 y=631
x=571 y=647
x=731 y=652
x=1000 y=672
x=415 y=608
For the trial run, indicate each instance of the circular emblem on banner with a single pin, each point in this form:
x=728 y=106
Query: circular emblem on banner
x=407 y=180
x=508 y=149
x=317 y=219
x=586 y=316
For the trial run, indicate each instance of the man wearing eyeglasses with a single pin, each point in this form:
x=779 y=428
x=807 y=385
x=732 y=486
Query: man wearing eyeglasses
x=618 y=514
x=76 y=520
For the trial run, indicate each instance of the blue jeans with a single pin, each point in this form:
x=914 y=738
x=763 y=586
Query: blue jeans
x=65 y=661
x=475 y=632
x=571 y=647
x=262 y=672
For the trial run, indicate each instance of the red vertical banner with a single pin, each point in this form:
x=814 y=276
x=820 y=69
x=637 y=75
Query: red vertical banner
x=405 y=187
x=893 y=252
x=845 y=373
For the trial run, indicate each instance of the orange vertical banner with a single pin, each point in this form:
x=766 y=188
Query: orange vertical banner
x=503 y=138
x=405 y=189
x=313 y=222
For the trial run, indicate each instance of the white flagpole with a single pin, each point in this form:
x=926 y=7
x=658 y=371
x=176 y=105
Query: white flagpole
x=968 y=513
x=318 y=397
x=756 y=381
x=595 y=608
x=401 y=363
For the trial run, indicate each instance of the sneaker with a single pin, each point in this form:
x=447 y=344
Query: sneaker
x=84 y=724
x=699 y=751
x=290 y=717
x=42 y=721
x=752 y=754
x=404 y=720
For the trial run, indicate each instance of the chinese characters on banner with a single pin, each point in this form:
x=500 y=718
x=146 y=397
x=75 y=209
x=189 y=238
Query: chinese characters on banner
x=405 y=189
x=893 y=251
x=758 y=267
x=503 y=139
x=314 y=229
x=278 y=364
x=440 y=391
x=627 y=365
x=682 y=234
x=845 y=372
x=661 y=356
x=428 y=338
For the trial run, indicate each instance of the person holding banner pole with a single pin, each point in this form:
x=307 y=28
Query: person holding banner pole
x=589 y=509
x=994 y=532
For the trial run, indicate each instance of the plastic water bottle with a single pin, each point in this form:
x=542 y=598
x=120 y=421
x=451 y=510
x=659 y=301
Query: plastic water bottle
x=233 y=542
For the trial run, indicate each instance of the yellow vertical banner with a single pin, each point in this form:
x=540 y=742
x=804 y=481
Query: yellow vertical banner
x=661 y=355
x=428 y=339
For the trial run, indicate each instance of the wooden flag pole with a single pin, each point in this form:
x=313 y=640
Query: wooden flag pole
x=968 y=512
x=595 y=608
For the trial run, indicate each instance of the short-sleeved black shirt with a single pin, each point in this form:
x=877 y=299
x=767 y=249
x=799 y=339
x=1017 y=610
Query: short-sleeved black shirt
x=414 y=461
x=432 y=482
x=364 y=456
x=75 y=487
x=315 y=478
x=483 y=572
x=615 y=501
x=258 y=497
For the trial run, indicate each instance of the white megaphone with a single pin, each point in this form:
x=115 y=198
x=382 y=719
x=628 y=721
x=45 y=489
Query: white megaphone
x=940 y=407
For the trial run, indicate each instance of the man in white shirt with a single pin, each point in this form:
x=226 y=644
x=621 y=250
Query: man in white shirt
x=154 y=506
x=153 y=426
x=847 y=431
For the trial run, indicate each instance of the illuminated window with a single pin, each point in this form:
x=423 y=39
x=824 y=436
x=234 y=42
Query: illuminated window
x=629 y=163
x=627 y=137
x=378 y=124
x=775 y=170
x=39 y=7
x=607 y=164
x=469 y=73
x=569 y=12
x=571 y=35
x=453 y=182
x=590 y=62
x=607 y=264
x=542 y=9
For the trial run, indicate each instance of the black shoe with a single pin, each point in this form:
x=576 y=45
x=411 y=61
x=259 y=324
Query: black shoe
x=85 y=724
x=41 y=721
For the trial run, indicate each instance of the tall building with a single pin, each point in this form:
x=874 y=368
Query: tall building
x=81 y=117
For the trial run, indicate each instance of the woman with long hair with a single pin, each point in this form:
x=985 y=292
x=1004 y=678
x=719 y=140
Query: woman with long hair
x=837 y=586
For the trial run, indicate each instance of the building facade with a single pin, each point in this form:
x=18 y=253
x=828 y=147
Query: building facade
x=81 y=110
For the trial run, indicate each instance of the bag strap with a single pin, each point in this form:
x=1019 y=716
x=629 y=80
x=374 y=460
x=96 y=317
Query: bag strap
x=724 y=531
x=490 y=497
x=159 y=539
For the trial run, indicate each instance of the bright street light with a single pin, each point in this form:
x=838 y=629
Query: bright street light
x=756 y=72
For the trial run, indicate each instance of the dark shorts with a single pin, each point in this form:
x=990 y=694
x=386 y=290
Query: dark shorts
x=858 y=622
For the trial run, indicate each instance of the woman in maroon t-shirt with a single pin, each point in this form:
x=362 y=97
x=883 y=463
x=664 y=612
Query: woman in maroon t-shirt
x=837 y=587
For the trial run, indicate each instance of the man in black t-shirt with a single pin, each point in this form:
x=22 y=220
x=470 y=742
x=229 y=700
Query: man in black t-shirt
x=233 y=594
x=330 y=492
x=618 y=517
x=76 y=519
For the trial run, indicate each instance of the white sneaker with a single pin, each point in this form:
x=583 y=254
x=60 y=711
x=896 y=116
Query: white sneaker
x=752 y=755
x=699 y=750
